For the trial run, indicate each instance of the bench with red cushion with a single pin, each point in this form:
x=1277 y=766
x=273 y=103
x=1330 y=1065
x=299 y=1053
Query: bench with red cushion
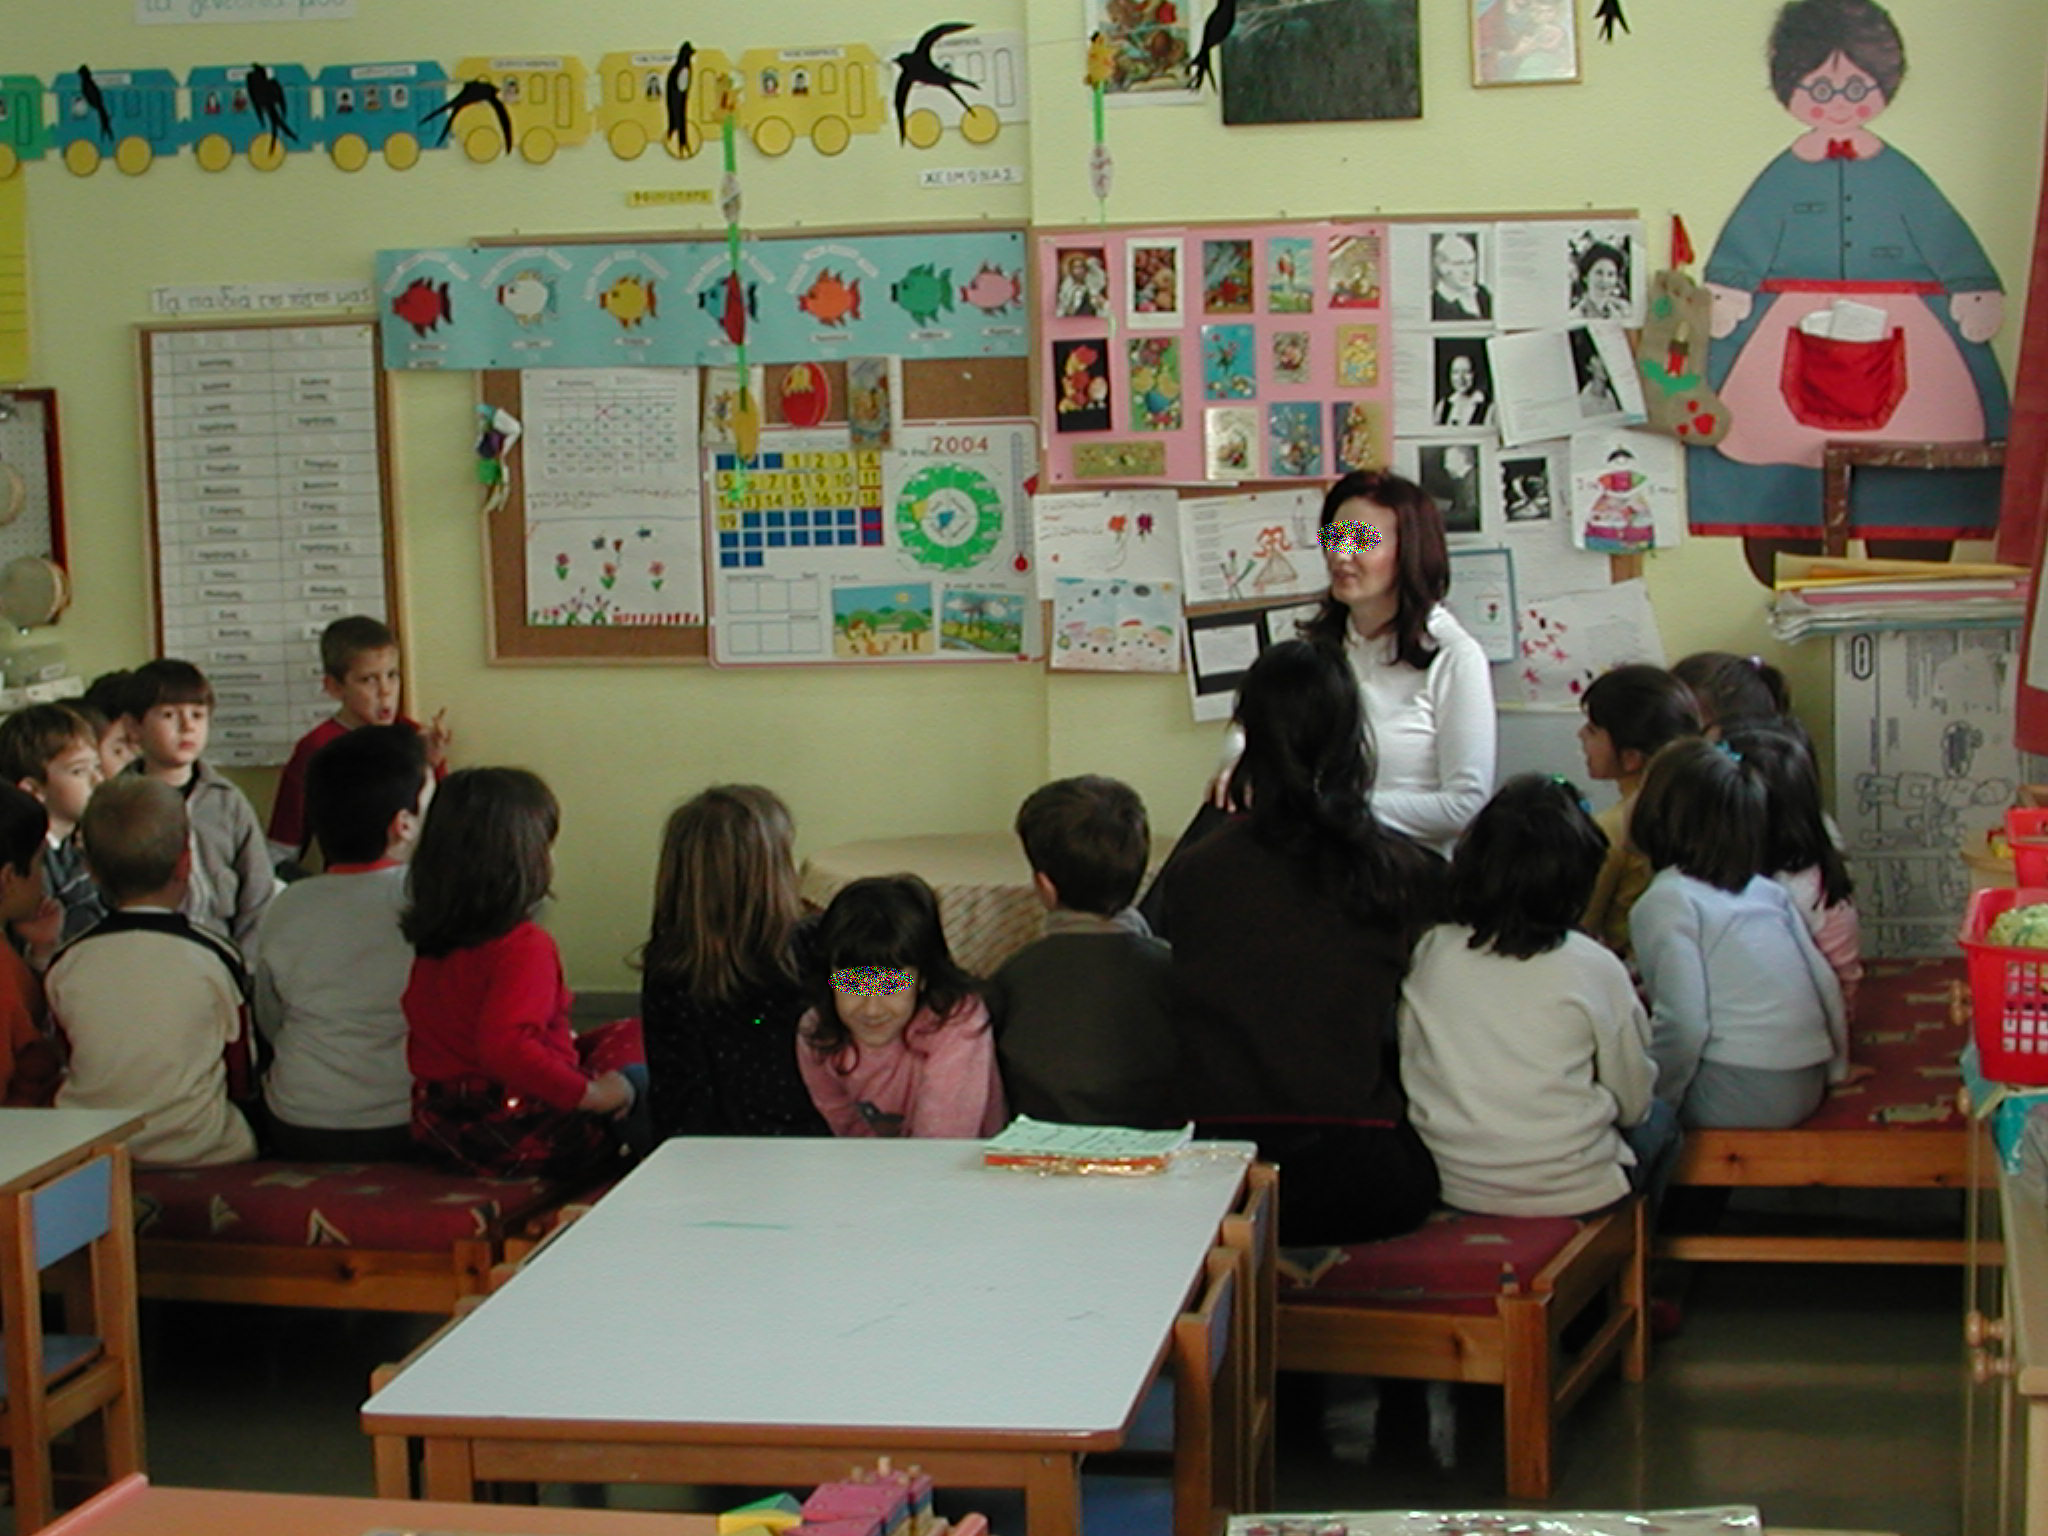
x=395 y=1237
x=1898 y=1128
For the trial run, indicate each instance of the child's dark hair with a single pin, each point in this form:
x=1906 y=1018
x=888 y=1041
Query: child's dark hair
x=1704 y=811
x=1525 y=868
x=883 y=920
x=111 y=693
x=482 y=863
x=24 y=823
x=166 y=681
x=31 y=738
x=357 y=783
x=1730 y=687
x=1422 y=563
x=1090 y=838
x=134 y=832
x=1306 y=778
x=345 y=639
x=1640 y=708
x=1796 y=834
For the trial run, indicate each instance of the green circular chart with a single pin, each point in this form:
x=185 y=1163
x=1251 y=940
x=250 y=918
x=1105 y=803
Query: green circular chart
x=949 y=516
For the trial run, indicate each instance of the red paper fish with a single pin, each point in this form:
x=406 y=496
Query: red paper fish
x=424 y=305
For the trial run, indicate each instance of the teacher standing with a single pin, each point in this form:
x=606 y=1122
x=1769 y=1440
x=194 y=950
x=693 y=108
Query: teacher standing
x=1429 y=711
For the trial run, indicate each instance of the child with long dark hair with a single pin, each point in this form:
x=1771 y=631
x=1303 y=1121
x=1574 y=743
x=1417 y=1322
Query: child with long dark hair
x=1524 y=1049
x=897 y=1041
x=1746 y=1017
x=722 y=985
x=1291 y=927
x=1631 y=711
x=1799 y=847
x=501 y=1083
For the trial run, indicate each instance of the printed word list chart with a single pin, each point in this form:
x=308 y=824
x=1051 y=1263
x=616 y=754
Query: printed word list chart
x=269 y=516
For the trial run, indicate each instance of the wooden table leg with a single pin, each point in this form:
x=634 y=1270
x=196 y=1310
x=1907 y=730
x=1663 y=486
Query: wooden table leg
x=448 y=1471
x=1052 y=1496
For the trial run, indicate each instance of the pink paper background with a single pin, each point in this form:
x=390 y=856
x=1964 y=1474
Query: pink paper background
x=1185 y=460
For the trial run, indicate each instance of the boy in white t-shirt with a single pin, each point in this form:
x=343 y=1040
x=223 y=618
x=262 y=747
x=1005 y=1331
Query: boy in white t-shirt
x=331 y=965
x=151 y=1005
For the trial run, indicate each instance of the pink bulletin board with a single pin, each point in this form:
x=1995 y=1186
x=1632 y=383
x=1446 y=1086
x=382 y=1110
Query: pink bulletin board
x=1213 y=353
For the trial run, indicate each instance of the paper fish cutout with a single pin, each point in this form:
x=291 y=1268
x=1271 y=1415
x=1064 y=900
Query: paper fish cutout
x=629 y=300
x=922 y=292
x=425 y=305
x=993 y=290
x=732 y=305
x=831 y=299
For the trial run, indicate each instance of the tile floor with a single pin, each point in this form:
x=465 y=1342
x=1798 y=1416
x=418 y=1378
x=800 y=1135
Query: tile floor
x=1830 y=1397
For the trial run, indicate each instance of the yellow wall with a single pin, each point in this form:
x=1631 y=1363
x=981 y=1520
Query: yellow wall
x=1676 y=117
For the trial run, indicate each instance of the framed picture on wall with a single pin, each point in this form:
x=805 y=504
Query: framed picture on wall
x=1525 y=42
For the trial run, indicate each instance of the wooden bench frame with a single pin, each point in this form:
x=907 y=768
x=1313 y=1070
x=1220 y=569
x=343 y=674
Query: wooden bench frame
x=274 y=1275
x=1518 y=1346
x=1848 y=1158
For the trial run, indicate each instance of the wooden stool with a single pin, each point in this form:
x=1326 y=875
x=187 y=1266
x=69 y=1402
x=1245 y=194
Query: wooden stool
x=1486 y=1299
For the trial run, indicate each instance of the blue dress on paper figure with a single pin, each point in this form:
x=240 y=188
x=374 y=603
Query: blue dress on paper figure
x=1841 y=215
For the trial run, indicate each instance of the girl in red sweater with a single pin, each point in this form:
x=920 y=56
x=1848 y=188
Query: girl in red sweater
x=897 y=1042
x=501 y=1084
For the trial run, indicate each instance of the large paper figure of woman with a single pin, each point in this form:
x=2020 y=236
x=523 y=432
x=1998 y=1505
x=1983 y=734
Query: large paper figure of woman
x=1850 y=301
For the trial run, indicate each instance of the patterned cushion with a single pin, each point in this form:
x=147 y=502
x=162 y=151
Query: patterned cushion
x=399 y=1207
x=1903 y=1031
x=1454 y=1263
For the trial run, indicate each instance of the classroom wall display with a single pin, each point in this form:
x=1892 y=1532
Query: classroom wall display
x=665 y=304
x=269 y=513
x=528 y=106
x=1228 y=353
x=1224 y=642
x=820 y=552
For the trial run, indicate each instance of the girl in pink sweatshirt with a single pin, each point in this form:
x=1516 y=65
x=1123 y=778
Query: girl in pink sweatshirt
x=897 y=1040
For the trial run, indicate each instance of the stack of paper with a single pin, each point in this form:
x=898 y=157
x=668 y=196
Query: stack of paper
x=1829 y=596
x=1042 y=1146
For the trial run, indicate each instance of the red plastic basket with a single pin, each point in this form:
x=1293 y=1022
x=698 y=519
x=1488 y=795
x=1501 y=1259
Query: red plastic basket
x=2026 y=831
x=2008 y=992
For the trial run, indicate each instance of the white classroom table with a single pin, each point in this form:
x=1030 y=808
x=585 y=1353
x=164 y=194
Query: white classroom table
x=767 y=1311
x=38 y=1144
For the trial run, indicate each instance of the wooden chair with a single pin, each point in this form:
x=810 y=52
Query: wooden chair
x=83 y=1222
x=1252 y=1231
x=1203 y=1359
x=1207 y=1423
x=1514 y=1337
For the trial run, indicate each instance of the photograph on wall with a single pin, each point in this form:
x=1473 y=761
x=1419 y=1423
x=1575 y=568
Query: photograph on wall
x=1290 y=275
x=1227 y=277
x=1358 y=356
x=1294 y=439
x=1288 y=363
x=1231 y=442
x=1550 y=272
x=1155 y=383
x=1152 y=284
x=1147 y=45
x=1531 y=481
x=1346 y=60
x=1229 y=362
x=1354 y=271
x=1082 y=369
x=1524 y=42
x=1442 y=274
x=1462 y=383
x=1083 y=290
x=1358 y=436
x=1451 y=473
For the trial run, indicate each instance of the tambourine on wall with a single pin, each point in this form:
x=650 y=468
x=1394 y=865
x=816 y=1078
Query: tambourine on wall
x=31 y=481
